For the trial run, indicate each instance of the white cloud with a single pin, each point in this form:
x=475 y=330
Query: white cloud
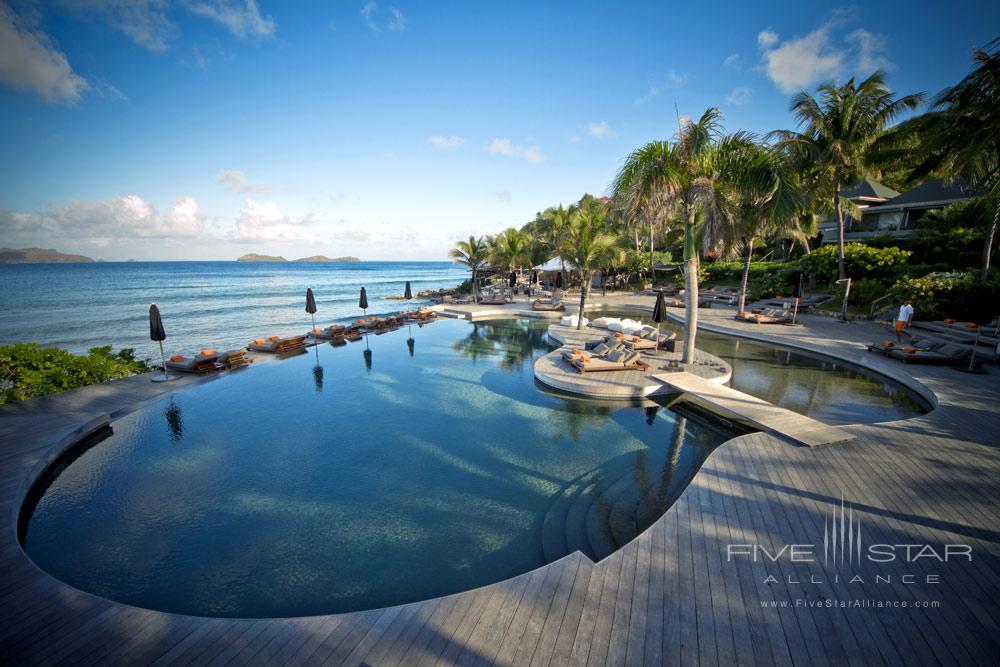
x=870 y=47
x=376 y=19
x=507 y=148
x=240 y=17
x=237 y=181
x=669 y=81
x=264 y=221
x=733 y=61
x=739 y=96
x=145 y=22
x=446 y=143
x=104 y=222
x=799 y=63
x=821 y=55
x=599 y=130
x=30 y=61
x=766 y=39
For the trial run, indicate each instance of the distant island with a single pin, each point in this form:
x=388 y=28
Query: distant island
x=322 y=258
x=254 y=257
x=39 y=256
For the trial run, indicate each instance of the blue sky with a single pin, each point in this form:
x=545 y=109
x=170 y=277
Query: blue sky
x=204 y=129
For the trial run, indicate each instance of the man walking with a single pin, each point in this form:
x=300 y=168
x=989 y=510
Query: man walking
x=903 y=320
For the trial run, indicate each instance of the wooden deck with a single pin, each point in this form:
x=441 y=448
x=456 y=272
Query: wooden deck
x=674 y=595
x=738 y=406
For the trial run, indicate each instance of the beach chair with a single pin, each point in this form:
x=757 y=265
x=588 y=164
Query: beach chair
x=234 y=359
x=279 y=345
x=329 y=333
x=539 y=305
x=945 y=354
x=204 y=362
x=616 y=360
x=767 y=316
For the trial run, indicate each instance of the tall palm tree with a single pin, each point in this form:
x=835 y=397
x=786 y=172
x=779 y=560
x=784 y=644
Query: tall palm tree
x=766 y=200
x=589 y=247
x=472 y=254
x=838 y=129
x=961 y=137
x=511 y=249
x=683 y=178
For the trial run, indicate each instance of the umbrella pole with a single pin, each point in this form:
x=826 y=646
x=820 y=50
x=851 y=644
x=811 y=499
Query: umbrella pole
x=975 y=346
x=163 y=360
x=795 y=313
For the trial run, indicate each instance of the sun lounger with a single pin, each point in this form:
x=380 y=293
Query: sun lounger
x=647 y=339
x=234 y=358
x=617 y=360
x=329 y=333
x=767 y=316
x=945 y=354
x=539 y=305
x=279 y=345
x=204 y=362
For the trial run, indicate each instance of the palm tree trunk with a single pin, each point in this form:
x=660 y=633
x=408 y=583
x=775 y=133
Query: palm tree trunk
x=475 y=289
x=991 y=232
x=652 y=271
x=746 y=276
x=841 y=271
x=691 y=289
x=584 y=293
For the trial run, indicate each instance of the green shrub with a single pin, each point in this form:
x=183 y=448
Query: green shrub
x=28 y=370
x=767 y=285
x=732 y=272
x=962 y=296
x=860 y=261
x=864 y=291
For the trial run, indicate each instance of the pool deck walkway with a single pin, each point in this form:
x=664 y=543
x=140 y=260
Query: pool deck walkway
x=694 y=588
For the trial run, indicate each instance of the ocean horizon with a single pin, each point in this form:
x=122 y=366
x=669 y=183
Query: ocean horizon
x=215 y=304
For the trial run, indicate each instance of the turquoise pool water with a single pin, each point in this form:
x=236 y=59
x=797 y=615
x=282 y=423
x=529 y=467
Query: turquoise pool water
x=294 y=489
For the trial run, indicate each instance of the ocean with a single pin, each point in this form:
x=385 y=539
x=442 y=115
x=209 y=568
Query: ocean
x=220 y=305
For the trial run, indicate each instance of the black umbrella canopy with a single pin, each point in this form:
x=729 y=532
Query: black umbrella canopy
x=310 y=302
x=363 y=301
x=368 y=359
x=156 y=330
x=407 y=293
x=534 y=277
x=512 y=279
x=559 y=280
x=409 y=345
x=660 y=309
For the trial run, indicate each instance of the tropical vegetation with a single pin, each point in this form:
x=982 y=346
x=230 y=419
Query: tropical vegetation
x=28 y=370
x=707 y=197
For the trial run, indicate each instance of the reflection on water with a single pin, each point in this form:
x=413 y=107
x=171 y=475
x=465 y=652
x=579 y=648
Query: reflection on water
x=422 y=476
x=809 y=385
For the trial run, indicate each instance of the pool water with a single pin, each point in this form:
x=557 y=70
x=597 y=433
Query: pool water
x=296 y=488
x=402 y=467
x=812 y=385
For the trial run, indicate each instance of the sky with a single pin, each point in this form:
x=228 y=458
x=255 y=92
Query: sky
x=206 y=129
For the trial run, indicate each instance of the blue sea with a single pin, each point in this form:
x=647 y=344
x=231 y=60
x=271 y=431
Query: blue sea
x=221 y=305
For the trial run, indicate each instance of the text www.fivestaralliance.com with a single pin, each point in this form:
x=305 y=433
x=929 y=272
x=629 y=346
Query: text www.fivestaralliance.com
x=853 y=603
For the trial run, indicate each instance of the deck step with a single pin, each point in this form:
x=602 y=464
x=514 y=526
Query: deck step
x=554 y=544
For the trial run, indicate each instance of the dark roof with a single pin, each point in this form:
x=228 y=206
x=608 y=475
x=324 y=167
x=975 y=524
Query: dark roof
x=933 y=192
x=868 y=189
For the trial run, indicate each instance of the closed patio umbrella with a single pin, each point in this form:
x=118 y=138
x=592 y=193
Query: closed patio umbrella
x=659 y=314
x=311 y=305
x=407 y=293
x=409 y=345
x=559 y=280
x=512 y=281
x=159 y=334
x=363 y=302
x=797 y=294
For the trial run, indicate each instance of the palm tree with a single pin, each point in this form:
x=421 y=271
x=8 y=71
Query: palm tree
x=588 y=246
x=961 y=137
x=766 y=200
x=839 y=128
x=683 y=178
x=472 y=254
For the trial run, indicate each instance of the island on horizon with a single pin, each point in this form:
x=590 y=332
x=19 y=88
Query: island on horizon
x=254 y=257
x=40 y=256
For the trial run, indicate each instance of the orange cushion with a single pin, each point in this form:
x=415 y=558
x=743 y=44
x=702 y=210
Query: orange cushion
x=585 y=360
x=372 y=317
x=207 y=352
x=576 y=351
x=635 y=339
x=971 y=325
x=909 y=350
x=177 y=357
x=888 y=343
x=273 y=338
x=619 y=335
x=361 y=321
x=259 y=341
x=948 y=320
x=317 y=329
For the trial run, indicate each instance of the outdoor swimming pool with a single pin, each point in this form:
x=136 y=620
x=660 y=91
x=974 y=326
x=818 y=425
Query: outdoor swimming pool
x=431 y=464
